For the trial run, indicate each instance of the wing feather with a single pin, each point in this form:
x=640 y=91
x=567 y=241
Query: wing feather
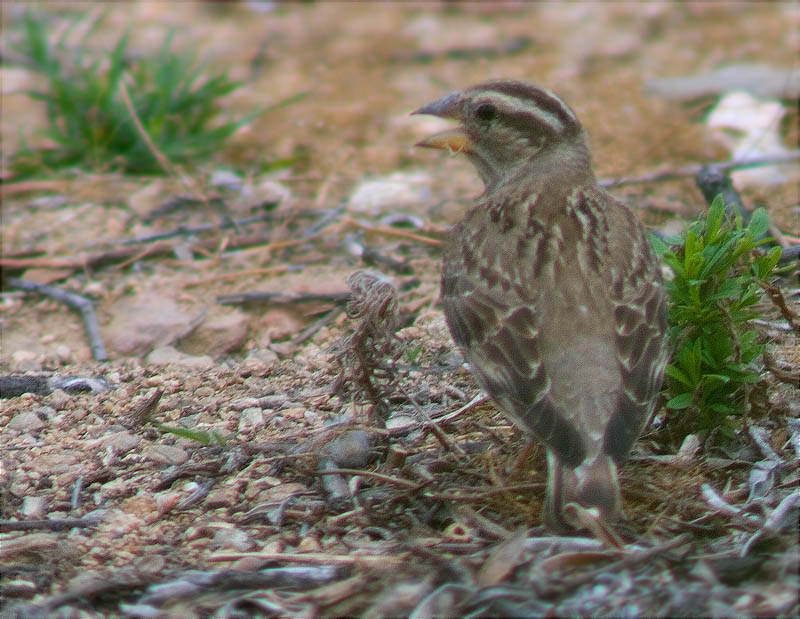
x=640 y=324
x=499 y=334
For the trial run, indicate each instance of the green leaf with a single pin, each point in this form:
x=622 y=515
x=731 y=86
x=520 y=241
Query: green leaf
x=722 y=408
x=675 y=373
x=206 y=438
x=759 y=223
x=679 y=402
x=717 y=272
x=720 y=377
x=765 y=264
x=716 y=214
x=659 y=246
x=728 y=288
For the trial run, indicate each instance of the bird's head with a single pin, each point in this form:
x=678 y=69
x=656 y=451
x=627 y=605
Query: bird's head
x=506 y=125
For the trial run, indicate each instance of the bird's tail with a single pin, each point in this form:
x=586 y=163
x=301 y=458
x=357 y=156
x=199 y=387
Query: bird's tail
x=592 y=484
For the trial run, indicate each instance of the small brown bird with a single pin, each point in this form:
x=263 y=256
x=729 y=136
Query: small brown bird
x=552 y=291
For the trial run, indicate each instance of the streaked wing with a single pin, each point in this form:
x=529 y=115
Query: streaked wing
x=640 y=322
x=499 y=334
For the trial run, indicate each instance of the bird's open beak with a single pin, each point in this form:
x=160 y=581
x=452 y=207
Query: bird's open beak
x=454 y=140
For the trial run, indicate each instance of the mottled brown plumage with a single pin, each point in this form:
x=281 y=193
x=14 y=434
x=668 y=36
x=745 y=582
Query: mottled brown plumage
x=550 y=288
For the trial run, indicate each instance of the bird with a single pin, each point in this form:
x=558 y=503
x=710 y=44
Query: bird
x=552 y=292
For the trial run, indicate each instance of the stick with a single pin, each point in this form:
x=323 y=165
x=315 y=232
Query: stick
x=82 y=304
x=678 y=173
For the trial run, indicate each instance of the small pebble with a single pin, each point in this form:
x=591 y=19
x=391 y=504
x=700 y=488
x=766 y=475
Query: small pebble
x=167 y=454
x=25 y=361
x=27 y=421
x=251 y=419
x=59 y=399
x=34 y=507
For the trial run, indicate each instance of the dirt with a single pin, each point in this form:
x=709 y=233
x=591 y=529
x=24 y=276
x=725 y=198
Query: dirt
x=437 y=503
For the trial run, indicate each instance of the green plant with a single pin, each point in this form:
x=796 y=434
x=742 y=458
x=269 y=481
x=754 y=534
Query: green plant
x=91 y=124
x=411 y=353
x=717 y=269
x=205 y=438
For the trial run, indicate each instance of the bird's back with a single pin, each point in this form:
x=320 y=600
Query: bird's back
x=530 y=298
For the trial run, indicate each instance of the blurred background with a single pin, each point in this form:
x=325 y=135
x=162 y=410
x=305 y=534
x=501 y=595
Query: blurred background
x=307 y=105
x=365 y=66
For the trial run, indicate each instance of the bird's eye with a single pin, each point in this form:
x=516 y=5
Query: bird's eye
x=486 y=111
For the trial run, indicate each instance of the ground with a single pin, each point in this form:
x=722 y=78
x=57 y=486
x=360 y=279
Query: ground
x=437 y=509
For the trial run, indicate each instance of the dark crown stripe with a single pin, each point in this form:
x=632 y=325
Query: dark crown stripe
x=532 y=99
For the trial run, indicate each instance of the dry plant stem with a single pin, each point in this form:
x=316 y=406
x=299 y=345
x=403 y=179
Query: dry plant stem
x=688 y=171
x=95 y=259
x=440 y=434
x=629 y=560
x=403 y=483
x=482 y=496
x=277 y=298
x=238 y=275
x=402 y=234
x=479 y=399
x=75 y=496
x=783 y=375
x=478 y=520
x=12 y=189
x=776 y=296
x=82 y=304
x=165 y=163
x=58 y=524
x=269 y=247
x=190 y=230
x=145 y=253
x=779 y=237
x=307 y=333
x=317 y=558
x=249 y=243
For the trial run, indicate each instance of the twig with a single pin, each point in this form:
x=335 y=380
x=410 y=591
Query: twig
x=278 y=298
x=628 y=560
x=372 y=256
x=237 y=275
x=75 y=496
x=309 y=331
x=386 y=562
x=397 y=481
x=55 y=524
x=790 y=253
x=485 y=494
x=392 y=232
x=160 y=157
x=776 y=296
x=476 y=401
x=82 y=304
x=88 y=260
x=268 y=247
x=190 y=230
x=440 y=434
x=12 y=189
x=164 y=162
x=783 y=375
x=688 y=171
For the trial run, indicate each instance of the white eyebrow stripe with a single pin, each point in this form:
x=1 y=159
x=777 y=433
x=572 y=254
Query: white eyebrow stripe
x=517 y=106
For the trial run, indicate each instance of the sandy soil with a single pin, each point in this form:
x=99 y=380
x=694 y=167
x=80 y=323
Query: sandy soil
x=436 y=504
